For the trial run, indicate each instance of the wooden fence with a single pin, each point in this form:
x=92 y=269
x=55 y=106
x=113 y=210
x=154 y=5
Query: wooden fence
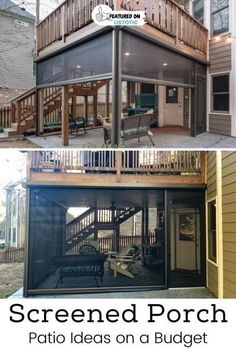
x=12 y=255
x=5 y=117
x=105 y=243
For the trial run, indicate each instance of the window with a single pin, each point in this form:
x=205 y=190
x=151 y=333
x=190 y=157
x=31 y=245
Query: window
x=13 y=235
x=220 y=93
x=212 y=254
x=198 y=10
x=219 y=16
x=171 y=94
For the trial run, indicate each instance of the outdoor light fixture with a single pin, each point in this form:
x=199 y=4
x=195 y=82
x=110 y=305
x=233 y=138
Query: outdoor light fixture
x=78 y=66
x=165 y=64
x=127 y=54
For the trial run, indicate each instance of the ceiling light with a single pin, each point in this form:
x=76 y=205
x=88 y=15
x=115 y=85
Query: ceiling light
x=165 y=64
x=78 y=66
x=127 y=54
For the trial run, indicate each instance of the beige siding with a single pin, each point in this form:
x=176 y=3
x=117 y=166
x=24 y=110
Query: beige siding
x=220 y=124
x=229 y=222
x=211 y=175
x=220 y=54
x=213 y=278
x=212 y=270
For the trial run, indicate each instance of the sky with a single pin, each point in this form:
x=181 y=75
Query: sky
x=47 y=6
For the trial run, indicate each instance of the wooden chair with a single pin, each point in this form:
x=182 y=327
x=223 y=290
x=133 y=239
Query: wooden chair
x=122 y=262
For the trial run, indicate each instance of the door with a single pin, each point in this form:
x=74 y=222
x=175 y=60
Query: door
x=174 y=106
x=187 y=239
x=185 y=248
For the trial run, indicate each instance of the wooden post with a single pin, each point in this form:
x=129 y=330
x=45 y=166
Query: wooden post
x=95 y=109
x=74 y=106
x=128 y=94
x=13 y=113
x=18 y=112
x=107 y=103
x=86 y=107
x=39 y=112
x=65 y=116
x=118 y=165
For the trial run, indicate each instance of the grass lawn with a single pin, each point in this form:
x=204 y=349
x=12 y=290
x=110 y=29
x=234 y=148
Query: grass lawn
x=11 y=278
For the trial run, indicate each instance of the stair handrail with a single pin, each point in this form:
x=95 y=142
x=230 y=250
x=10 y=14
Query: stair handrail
x=23 y=95
x=80 y=217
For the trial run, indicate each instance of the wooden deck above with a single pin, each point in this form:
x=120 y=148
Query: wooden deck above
x=166 y=20
x=116 y=168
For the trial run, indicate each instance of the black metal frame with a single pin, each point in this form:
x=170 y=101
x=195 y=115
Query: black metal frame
x=166 y=189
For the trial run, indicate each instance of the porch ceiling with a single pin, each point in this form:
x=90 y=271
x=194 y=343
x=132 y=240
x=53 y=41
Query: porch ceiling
x=90 y=197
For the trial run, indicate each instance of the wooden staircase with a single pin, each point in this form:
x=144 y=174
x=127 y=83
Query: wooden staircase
x=93 y=220
x=23 y=110
x=21 y=115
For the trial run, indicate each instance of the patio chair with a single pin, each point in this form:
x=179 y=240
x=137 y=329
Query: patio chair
x=77 y=123
x=121 y=263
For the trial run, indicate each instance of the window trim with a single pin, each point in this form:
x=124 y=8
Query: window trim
x=215 y=263
x=212 y=13
x=224 y=112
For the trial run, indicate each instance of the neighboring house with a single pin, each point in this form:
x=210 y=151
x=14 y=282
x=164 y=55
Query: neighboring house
x=15 y=214
x=188 y=196
x=219 y=17
x=17 y=47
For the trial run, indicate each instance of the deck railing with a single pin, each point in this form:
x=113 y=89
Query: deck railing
x=127 y=162
x=5 y=117
x=70 y=16
x=105 y=243
x=165 y=15
x=172 y=19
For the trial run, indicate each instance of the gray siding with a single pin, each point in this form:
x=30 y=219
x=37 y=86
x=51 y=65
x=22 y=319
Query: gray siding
x=229 y=222
x=16 y=53
x=220 y=54
x=220 y=124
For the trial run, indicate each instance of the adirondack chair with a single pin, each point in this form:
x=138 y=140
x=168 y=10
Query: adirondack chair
x=121 y=263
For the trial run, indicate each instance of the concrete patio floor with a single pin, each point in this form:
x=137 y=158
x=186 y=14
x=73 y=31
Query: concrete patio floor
x=178 y=293
x=167 y=139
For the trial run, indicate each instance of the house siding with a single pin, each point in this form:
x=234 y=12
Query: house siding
x=220 y=124
x=213 y=278
x=220 y=54
x=211 y=175
x=212 y=269
x=16 y=53
x=229 y=222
